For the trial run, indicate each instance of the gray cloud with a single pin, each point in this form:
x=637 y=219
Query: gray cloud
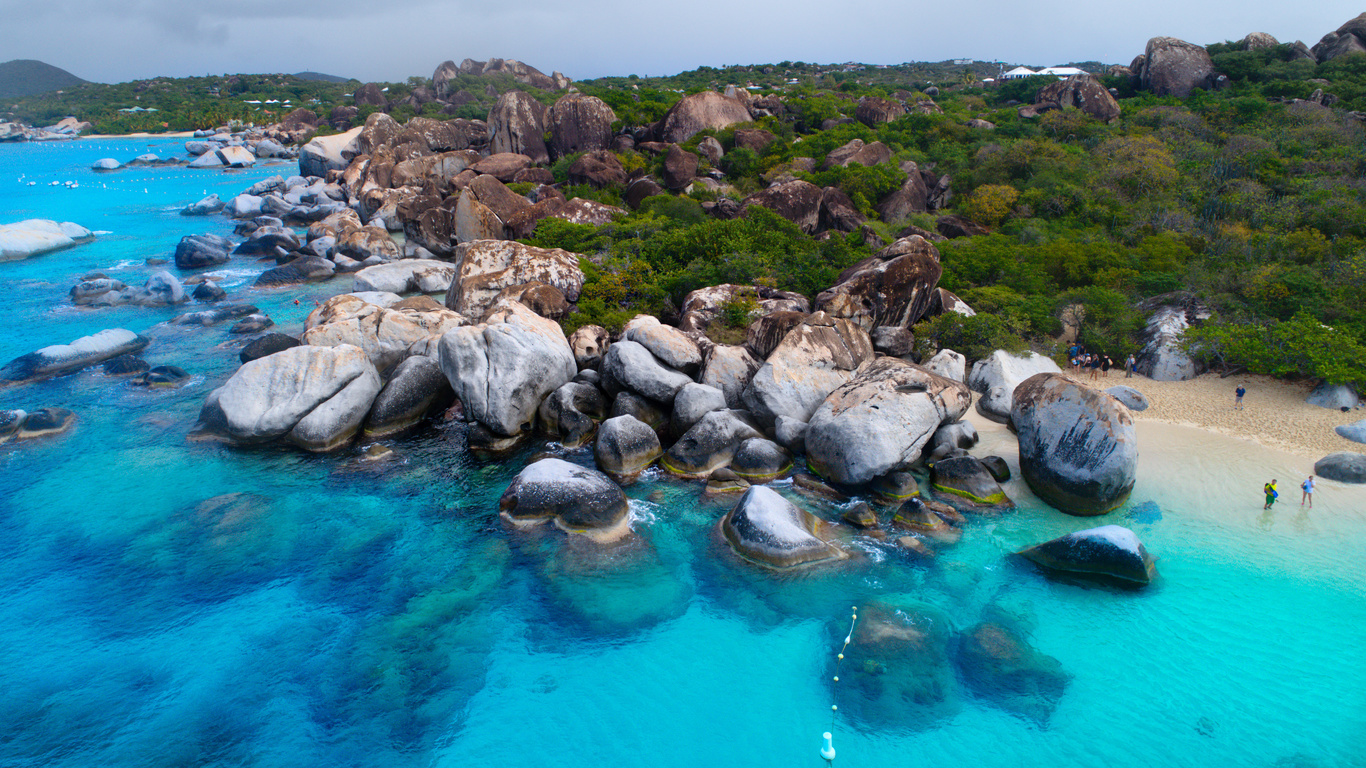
x=111 y=42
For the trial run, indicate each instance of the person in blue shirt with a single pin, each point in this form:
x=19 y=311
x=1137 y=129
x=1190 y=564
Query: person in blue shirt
x=1238 y=401
x=1308 y=487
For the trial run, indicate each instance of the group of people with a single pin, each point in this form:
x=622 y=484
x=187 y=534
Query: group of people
x=1307 y=496
x=1096 y=364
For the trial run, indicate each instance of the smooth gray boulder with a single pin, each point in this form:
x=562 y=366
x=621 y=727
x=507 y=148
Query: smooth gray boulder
x=216 y=315
x=106 y=164
x=768 y=530
x=966 y=484
x=1333 y=396
x=880 y=420
x=1343 y=466
x=625 y=446
x=415 y=388
x=730 y=369
x=326 y=153
x=1356 y=432
x=313 y=397
x=948 y=364
x=575 y=499
x=790 y=434
x=760 y=460
x=407 y=276
x=199 y=251
x=1109 y=551
x=710 y=444
x=1162 y=358
x=1132 y=398
x=65 y=358
x=572 y=412
x=1078 y=447
x=670 y=345
x=266 y=344
x=36 y=236
x=814 y=358
x=633 y=367
x=502 y=368
x=693 y=402
x=997 y=376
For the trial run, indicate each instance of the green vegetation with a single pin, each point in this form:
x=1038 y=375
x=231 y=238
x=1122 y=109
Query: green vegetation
x=25 y=77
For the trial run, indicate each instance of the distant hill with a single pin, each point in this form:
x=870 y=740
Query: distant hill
x=320 y=77
x=25 y=77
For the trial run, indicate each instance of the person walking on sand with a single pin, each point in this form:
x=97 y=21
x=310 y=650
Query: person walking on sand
x=1238 y=397
x=1130 y=365
x=1105 y=365
x=1270 y=490
x=1308 y=487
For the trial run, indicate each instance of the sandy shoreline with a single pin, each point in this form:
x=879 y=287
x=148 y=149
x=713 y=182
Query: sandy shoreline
x=172 y=135
x=1274 y=412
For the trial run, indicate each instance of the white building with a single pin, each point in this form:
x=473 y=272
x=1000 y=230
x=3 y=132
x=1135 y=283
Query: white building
x=1061 y=73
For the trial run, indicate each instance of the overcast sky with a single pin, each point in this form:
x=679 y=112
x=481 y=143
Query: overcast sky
x=119 y=40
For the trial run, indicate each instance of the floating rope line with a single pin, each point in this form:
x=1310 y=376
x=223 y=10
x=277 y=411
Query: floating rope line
x=827 y=738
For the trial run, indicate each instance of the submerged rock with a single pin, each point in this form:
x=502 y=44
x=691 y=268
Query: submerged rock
x=161 y=376
x=1109 y=551
x=1078 y=447
x=65 y=358
x=769 y=530
x=25 y=425
x=576 y=499
x=899 y=664
x=999 y=665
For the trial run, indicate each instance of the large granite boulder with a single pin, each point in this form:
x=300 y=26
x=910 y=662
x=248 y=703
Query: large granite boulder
x=705 y=305
x=760 y=460
x=680 y=168
x=710 y=444
x=314 y=397
x=1132 y=398
x=1333 y=396
x=329 y=153
x=483 y=268
x=386 y=334
x=670 y=345
x=1173 y=67
x=997 y=376
x=1110 y=551
x=625 y=446
x=266 y=344
x=767 y=529
x=891 y=288
x=698 y=112
x=797 y=201
x=199 y=251
x=729 y=369
x=856 y=152
x=949 y=364
x=589 y=343
x=814 y=358
x=416 y=388
x=632 y=366
x=872 y=110
x=693 y=402
x=1343 y=466
x=575 y=499
x=1162 y=358
x=1078 y=448
x=1083 y=92
x=1347 y=39
x=572 y=412
x=305 y=269
x=60 y=359
x=36 y=236
x=1356 y=432
x=967 y=485
x=879 y=420
x=517 y=124
x=580 y=123
x=503 y=367
x=406 y=276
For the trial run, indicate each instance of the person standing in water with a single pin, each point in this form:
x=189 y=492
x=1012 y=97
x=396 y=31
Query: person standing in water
x=1238 y=399
x=1270 y=490
x=1308 y=487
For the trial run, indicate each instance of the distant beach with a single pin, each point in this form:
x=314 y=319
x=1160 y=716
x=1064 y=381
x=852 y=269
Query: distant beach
x=1275 y=413
x=171 y=135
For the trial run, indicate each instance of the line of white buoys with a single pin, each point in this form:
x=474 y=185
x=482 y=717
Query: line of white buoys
x=827 y=738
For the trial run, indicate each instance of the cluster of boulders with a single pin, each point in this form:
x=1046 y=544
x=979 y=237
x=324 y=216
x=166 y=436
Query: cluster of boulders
x=64 y=129
x=238 y=148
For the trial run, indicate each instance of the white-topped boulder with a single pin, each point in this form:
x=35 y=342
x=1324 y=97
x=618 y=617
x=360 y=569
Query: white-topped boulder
x=35 y=236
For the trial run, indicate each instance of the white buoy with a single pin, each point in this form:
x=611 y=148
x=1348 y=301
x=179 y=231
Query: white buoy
x=828 y=748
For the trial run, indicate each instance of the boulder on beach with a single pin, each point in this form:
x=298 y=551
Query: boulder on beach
x=65 y=358
x=1078 y=447
x=1333 y=396
x=313 y=397
x=1343 y=466
x=1110 y=551
x=37 y=236
x=880 y=420
x=575 y=499
x=1132 y=398
x=502 y=368
x=767 y=529
x=997 y=375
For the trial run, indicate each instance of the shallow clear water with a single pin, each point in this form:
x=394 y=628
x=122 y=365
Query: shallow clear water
x=321 y=612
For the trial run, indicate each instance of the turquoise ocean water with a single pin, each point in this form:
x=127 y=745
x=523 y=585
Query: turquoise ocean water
x=174 y=603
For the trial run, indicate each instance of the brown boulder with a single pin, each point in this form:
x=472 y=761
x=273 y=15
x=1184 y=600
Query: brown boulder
x=502 y=201
x=957 y=226
x=534 y=176
x=1173 y=67
x=445 y=72
x=1348 y=39
x=872 y=110
x=680 y=168
x=523 y=223
x=698 y=112
x=545 y=300
x=379 y=132
x=1082 y=92
x=579 y=123
x=474 y=221
x=913 y=197
x=859 y=153
x=892 y=288
x=639 y=190
x=765 y=334
x=599 y=168
x=503 y=165
x=584 y=211
x=838 y=211
x=755 y=139
x=704 y=305
x=797 y=201
x=369 y=95
x=485 y=267
x=516 y=124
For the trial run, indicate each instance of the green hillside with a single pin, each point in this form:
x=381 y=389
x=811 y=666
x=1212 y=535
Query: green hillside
x=25 y=77
x=320 y=77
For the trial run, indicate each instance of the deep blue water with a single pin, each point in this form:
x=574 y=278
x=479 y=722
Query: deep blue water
x=170 y=603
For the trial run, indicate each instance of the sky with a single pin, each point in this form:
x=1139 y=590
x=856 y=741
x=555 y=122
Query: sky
x=134 y=39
